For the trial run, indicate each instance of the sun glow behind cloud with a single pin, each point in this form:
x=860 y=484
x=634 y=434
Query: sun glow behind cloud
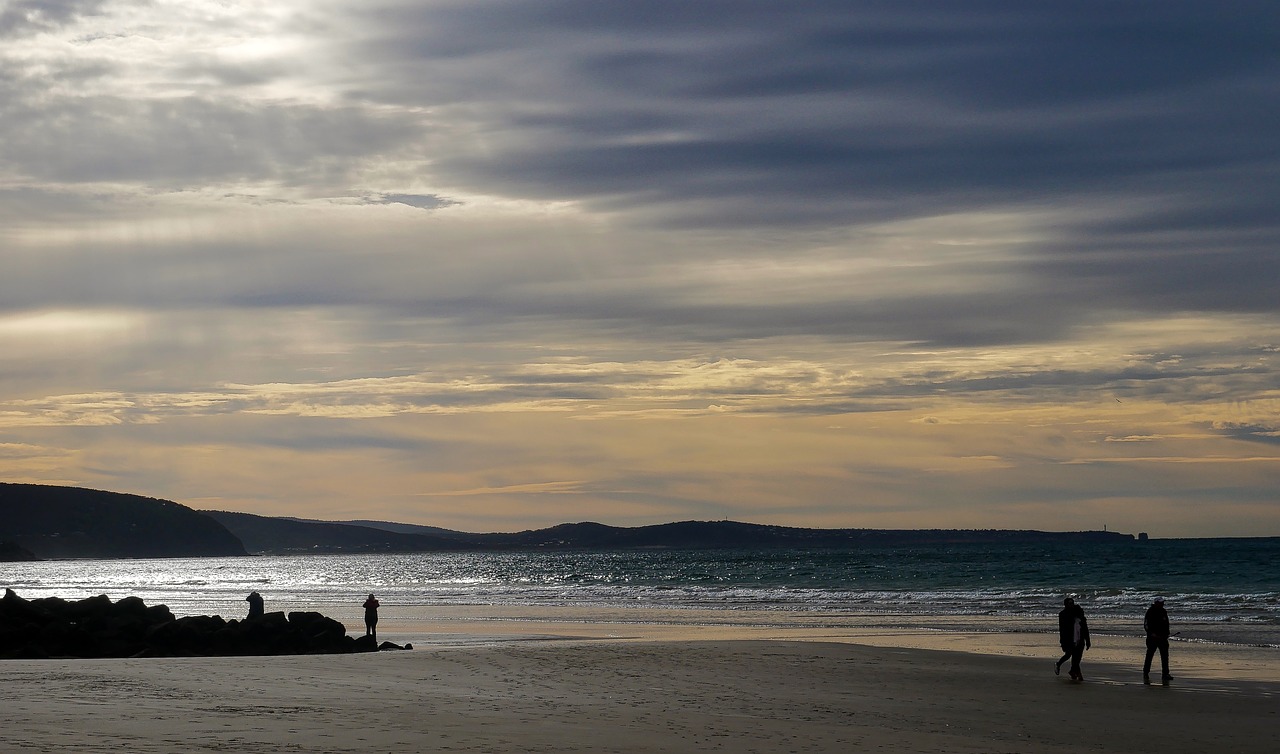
x=60 y=324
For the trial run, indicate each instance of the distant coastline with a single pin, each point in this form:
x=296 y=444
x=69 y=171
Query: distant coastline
x=54 y=522
x=279 y=536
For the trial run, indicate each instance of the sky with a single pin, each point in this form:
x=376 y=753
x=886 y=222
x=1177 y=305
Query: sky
x=494 y=265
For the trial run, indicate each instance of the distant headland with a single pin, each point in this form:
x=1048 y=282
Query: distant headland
x=44 y=521
x=47 y=521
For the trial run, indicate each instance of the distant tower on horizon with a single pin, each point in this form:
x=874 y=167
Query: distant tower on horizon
x=1142 y=536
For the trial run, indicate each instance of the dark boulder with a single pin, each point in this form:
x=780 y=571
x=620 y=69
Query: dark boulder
x=189 y=636
x=97 y=627
x=14 y=610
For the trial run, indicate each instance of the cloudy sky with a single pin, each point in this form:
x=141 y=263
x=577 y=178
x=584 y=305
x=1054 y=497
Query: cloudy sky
x=501 y=264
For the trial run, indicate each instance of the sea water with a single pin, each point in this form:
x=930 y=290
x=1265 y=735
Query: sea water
x=1225 y=590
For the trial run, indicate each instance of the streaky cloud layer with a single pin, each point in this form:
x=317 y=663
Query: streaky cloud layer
x=497 y=264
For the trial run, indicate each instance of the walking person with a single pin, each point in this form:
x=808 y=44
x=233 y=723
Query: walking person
x=1073 y=635
x=1064 y=634
x=371 y=617
x=1156 y=624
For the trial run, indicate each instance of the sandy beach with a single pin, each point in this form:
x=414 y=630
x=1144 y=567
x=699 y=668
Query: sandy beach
x=525 y=680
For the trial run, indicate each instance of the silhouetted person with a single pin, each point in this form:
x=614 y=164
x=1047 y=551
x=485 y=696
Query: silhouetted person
x=255 y=605
x=1156 y=623
x=1064 y=633
x=1073 y=635
x=371 y=617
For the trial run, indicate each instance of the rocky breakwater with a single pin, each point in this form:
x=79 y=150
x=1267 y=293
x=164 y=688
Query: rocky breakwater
x=52 y=627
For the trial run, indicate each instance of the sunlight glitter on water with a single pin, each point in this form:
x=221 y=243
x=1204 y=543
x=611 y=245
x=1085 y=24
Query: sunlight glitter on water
x=1015 y=583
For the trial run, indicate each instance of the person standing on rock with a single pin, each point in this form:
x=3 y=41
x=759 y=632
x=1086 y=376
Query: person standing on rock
x=255 y=605
x=371 y=617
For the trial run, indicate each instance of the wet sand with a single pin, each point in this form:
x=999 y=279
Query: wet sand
x=548 y=680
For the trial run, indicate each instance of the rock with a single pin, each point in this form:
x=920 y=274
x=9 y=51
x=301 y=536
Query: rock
x=14 y=609
x=97 y=627
x=365 y=643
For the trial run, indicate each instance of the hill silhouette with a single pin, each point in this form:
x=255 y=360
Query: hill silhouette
x=281 y=535
x=73 y=522
x=11 y=552
x=265 y=534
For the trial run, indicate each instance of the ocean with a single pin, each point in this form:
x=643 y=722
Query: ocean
x=1217 y=590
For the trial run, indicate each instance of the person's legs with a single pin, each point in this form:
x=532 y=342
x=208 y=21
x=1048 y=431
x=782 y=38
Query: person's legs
x=1066 y=655
x=1151 y=650
x=1076 y=653
x=1164 y=659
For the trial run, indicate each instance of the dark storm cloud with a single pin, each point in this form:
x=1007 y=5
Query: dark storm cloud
x=934 y=106
x=1148 y=127
x=1144 y=133
x=1210 y=250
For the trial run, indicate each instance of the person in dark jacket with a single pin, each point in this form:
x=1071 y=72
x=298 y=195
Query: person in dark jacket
x=1073 y=635
x=1156 y=624
x=371 y=617
x=1064 y=619
x=256 y=609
